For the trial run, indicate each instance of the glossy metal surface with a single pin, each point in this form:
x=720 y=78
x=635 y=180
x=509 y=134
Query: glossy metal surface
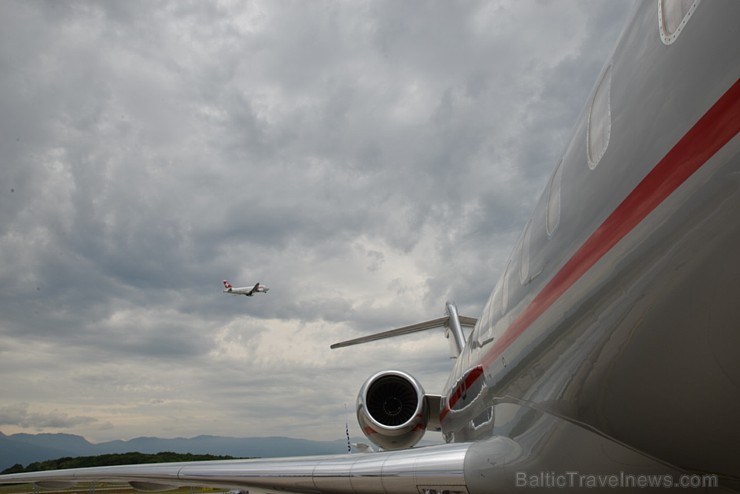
x=378 y=428
x=640 y=345
x=553 y=454
x=397 y=472
x=455 y=329
x=438 y=467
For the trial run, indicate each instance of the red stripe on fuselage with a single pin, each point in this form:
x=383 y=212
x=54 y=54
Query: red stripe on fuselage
x=713 y=130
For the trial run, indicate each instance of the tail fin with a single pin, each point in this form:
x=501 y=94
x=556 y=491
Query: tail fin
x=227 y=285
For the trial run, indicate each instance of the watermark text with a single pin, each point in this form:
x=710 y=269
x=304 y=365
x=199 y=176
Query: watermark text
x=621 y=480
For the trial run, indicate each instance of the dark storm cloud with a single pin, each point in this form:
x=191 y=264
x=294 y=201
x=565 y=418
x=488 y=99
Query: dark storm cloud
x=367 y=162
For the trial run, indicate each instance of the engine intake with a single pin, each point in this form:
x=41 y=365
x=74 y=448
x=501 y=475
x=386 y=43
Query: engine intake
x=392 y=410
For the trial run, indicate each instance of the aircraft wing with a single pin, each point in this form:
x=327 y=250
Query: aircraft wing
x=253 y=289
x=432 y=469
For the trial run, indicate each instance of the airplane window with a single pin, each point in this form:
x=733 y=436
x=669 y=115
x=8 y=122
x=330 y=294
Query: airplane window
x=553 y=202
x=599 y=121
x=524 y=261
x=491 y=311
x=505 y=294
x=673 y=16
x=481 y=328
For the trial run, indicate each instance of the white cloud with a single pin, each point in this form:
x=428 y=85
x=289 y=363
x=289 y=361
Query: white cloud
x=18 y=415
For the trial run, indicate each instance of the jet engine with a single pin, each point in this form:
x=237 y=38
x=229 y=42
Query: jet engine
x=392 y=410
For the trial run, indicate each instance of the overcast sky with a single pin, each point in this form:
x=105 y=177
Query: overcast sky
x=366 y=160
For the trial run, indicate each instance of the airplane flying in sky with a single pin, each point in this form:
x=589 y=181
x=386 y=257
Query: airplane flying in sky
x=607 y=353
x=245 y=290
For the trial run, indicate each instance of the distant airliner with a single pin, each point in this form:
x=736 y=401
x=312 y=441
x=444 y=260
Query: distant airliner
x=245 y=290
x=607 y=356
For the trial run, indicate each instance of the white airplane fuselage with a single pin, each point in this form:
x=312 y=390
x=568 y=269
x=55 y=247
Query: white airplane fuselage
x=246 y=290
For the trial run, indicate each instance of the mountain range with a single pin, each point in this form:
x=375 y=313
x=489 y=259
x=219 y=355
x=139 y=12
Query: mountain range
x=28 y=448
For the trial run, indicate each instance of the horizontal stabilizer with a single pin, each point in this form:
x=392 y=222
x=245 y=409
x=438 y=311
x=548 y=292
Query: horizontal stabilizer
x=413 y=328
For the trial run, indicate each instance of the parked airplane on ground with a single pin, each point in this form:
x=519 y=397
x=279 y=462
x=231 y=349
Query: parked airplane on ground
x=607 y=354
x=245 y=290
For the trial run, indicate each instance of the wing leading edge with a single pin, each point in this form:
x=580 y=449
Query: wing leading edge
x=432 y=469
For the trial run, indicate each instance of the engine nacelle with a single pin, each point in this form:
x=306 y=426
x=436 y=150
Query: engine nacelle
x=392 y=410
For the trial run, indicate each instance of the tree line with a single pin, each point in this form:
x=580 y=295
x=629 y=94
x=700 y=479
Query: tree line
x=111 y=459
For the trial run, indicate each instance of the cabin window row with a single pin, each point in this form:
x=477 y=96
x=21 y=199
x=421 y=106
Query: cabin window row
x=672 y=18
